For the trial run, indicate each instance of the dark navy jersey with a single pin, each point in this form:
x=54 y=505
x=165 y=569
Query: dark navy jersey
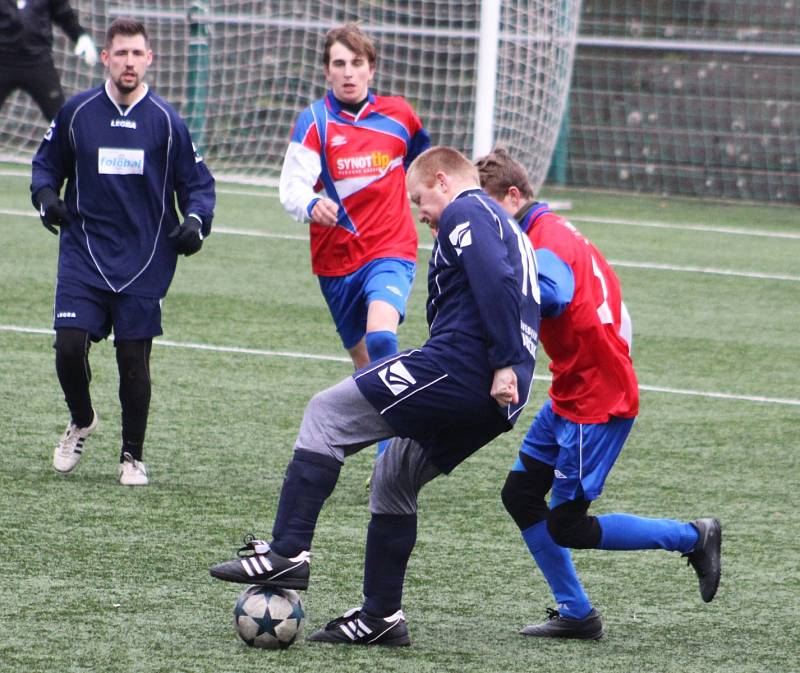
x=483 y=296
x=124 y=171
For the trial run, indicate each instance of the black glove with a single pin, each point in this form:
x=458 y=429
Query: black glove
x=187 y=237
x=52 y=210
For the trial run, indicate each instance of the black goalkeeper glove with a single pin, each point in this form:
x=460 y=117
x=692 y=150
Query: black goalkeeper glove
x=187 y=237
x=52 y=210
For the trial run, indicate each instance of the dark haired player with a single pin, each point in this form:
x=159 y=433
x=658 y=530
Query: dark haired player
x=125 y=155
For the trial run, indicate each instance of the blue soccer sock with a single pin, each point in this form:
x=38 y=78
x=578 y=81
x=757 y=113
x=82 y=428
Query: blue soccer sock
x=629 y=532
x=556 y=565
x=390 y=541
x=310 y=479
x=379 y=345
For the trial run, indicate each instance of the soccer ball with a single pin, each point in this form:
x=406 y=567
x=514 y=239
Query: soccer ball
x=268 y=617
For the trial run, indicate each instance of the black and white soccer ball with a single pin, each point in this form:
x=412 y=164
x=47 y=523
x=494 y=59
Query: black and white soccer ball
x=268 y=617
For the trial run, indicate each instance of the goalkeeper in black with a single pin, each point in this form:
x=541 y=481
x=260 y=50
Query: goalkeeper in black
x=26 y=49
x=126 y=157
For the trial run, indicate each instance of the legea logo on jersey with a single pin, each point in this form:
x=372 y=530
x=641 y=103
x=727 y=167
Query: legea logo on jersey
x=124 y=123
x=461 y=237
x=49 y=134
x=361 y=165
x=397 y=378
x=120 y=161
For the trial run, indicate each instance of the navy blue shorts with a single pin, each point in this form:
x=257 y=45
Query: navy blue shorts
x=419 y=400
x=99 y=311
x=582 y=454
x=348 y=297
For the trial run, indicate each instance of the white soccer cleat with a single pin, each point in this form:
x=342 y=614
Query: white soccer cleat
x=70 y=447
x=132 y=472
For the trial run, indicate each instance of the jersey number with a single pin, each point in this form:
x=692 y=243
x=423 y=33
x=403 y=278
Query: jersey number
x=530 y=272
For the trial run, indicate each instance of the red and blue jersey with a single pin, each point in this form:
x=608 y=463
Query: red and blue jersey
x=358 y=161
x=585 y=328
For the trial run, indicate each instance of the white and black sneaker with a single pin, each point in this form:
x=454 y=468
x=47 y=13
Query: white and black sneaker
x=356 y=627
x=258 y=564
x=69 y=449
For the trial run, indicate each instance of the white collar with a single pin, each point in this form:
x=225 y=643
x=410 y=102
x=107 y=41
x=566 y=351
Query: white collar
x=132 y=105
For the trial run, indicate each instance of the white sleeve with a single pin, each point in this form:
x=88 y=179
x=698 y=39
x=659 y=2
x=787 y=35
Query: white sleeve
x=300 y=172
x=626 y=326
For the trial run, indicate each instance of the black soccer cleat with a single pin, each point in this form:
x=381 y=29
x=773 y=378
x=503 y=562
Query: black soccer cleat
x=556 y=626
x=706 y=557
x=355 y=627
x=258 y=564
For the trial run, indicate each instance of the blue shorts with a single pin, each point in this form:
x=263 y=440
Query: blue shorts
x=419 y=400
x=98 y=311
x=349 y=297
x=582 y=454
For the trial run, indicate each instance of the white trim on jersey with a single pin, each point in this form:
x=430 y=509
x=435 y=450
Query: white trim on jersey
x=131 y=106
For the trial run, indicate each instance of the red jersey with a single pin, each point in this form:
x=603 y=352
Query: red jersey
x=358 y=161
x=593 y=375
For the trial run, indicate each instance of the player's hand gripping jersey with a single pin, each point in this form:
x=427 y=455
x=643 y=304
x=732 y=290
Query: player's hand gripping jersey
x=483 y=315
x=359 y=162
x=123 y=170
x=586 y=329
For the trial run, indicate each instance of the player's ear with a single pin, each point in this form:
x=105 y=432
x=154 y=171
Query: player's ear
x=149 y=57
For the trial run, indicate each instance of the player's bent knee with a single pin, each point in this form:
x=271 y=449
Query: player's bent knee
x=523 y=499
x=570 y=526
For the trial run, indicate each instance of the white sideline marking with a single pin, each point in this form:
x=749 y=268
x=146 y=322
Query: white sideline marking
x=732 y=231
x=337 y=358
x=236 y=231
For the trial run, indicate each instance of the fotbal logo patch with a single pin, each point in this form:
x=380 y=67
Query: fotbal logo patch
x=120 y=161
x=461 y=236
x=397 y=378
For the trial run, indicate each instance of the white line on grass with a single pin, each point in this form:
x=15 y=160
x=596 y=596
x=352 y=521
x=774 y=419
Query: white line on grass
x=337 y=358
x=732 y=231
x=235 y=231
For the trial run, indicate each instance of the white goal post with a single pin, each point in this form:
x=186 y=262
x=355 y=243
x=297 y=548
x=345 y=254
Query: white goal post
x=239 y=71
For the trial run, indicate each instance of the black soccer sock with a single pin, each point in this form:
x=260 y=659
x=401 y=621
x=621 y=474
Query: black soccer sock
x=390 y=541
x=133 y=363
x=74 y=374
x=310 y=479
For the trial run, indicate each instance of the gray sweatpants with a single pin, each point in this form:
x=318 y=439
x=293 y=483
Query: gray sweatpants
x=339 y=422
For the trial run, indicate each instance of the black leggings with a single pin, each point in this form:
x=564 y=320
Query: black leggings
x=39 y=80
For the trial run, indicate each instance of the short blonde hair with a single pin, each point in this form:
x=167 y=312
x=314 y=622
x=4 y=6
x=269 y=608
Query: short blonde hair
x=444 y=159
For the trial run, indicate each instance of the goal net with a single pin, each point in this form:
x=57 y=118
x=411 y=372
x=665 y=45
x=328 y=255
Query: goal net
x=240 y=71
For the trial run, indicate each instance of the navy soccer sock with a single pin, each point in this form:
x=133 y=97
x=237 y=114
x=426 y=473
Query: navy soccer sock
x=310 y=479
x=629 y=532
x=390 y=541
x=379 y=345
x=556 y=565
